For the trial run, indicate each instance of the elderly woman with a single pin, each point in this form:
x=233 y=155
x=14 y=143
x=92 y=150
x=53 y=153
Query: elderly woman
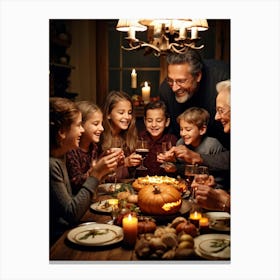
x=207 y=196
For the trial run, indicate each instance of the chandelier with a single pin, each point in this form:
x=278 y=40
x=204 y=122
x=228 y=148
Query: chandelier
x=163 y=35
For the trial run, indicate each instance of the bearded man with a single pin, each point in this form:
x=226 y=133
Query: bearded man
x=191 y=82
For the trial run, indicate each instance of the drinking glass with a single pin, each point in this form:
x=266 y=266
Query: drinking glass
x=116 y=145
x=190 y=171
x=165 y=147
x=198 y=173
x=114 y=210
x=142 y=148
x=203 y=175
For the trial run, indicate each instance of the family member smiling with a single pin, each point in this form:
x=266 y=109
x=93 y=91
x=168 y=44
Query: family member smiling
x=156 y=120
x=81 y=161
x=120 y=124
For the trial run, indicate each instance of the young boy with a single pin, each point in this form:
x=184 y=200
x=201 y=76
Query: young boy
x=156 y=120
x=193 y=127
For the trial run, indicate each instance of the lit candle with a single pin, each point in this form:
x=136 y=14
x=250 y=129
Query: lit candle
x=146 y=92
x=130 y=229
x=203 y=225
x=133 y=79
x=195 y=217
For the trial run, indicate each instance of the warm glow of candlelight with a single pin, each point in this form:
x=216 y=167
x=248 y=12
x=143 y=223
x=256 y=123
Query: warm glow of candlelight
x=195 y=215
x=130 y=229
x=133 y=79
x=146 y=89
x=204 y=222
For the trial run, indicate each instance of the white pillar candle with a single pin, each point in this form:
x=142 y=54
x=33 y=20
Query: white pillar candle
x=133 y=79
x=146 y=92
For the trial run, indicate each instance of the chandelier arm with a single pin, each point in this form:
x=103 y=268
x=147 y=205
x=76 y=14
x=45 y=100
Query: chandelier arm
x=178 y=51
x=150 y=46
x=131 y=48
x=142 y=45
x=198 y=48
x=191 y=45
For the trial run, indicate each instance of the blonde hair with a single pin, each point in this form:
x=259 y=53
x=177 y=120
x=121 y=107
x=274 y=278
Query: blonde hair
x=195 y=115
x=87 y=108
x=128 y=137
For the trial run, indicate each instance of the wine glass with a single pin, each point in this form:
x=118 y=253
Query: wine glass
x=142 y=148
x=114 y=204
x=203 y=175
x=190 y=171
x=165 y=147
x=198 y=173
x=116 y=145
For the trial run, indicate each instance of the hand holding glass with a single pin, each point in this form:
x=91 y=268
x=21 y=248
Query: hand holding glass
x=142 y=148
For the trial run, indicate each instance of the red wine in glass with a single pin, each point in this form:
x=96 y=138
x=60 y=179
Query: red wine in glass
x=142 y=149
x=142 y=152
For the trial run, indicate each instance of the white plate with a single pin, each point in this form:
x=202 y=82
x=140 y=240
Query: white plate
x=102 y=206
x=103 y=234
x=219 y=220
x=213 y=246
x=108 y=188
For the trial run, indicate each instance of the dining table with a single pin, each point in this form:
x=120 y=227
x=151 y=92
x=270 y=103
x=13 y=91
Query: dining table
x=65 y=250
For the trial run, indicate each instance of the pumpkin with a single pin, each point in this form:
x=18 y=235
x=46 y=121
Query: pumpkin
x=187 y=227
x=146 y=226
x=159 y=200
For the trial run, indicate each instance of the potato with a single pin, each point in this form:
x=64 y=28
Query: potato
x=186 y=237
x=183 y=253
x=186 y=244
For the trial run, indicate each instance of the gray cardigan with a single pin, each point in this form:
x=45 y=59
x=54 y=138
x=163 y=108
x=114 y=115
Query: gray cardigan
x=66 y=210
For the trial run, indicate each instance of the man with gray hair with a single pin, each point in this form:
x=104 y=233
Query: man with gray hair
x=191 y=82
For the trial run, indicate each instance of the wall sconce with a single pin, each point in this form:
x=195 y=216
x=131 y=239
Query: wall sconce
x=163 y=35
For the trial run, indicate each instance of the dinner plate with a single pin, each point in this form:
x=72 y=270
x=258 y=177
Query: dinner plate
x=219 y=220
x=95 y=234
x=213 y=246
x=108 y=188
x=102 y=206
x=111 y=188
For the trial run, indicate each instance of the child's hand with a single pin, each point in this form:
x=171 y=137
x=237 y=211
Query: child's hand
x=105 y=165
x=169 y=167
x=167 y=156
x=132 y=160
x=187 y=155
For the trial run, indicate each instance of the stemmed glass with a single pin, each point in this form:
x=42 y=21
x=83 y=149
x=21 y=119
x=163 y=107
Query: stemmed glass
x=165 y=147
x=116 y=145
x=142 y=148
x=199 y=173
x=114 y=210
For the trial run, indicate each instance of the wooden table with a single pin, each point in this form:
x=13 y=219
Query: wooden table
x=64 y=249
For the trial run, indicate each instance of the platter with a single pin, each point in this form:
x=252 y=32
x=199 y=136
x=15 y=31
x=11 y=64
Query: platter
x=95 y=234
x=213 y=246
x=219 y=220
x=102 y=206
x=108 y=188
x=111 y=188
